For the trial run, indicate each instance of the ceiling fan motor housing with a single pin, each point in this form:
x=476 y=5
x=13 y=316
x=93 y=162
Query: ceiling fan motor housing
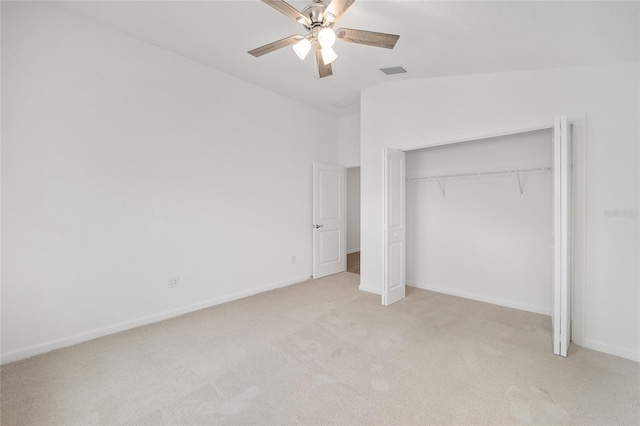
x=315 y=13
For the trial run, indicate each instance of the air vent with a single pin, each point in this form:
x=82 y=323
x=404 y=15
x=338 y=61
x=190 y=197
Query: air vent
x=342 y=103
x=393 y=70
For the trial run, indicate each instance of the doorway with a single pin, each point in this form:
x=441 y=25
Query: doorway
x=479 y=222
x=353 y=220
x=394 y=230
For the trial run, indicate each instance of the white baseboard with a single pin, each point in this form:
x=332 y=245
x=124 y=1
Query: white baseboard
x=369 y=289
x=481 y=298
x=610 y=349
x=38 y=349
x=355 y=250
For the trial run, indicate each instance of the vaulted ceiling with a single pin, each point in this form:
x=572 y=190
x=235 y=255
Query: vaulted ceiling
x=437 y=38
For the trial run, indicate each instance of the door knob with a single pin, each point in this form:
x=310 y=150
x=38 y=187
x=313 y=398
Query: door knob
x=318 y=226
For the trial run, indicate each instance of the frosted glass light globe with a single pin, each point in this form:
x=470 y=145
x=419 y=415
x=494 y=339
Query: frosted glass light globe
x=302 y=48
x=326 y=37
x=328 y=55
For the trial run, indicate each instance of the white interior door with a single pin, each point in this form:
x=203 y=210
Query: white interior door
x=329 y=220
x=562 y=170
x=394 y=227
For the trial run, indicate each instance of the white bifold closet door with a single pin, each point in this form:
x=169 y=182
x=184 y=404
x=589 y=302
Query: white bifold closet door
x=562 y=236
x=394 y=226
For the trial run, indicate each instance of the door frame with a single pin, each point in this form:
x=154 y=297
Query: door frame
x=562 y=247
x=347 y=168
x=578 y=122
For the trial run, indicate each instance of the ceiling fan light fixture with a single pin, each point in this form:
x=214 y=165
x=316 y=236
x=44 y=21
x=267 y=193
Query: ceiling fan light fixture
x=302 y=48
x=328 y=55
x=326 y=38
x=318 y=19
x=329 y=17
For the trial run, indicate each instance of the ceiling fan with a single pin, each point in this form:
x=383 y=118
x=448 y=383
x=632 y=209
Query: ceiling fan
x=318 y=18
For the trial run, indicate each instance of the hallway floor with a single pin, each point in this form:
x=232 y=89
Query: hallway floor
x=353 y=262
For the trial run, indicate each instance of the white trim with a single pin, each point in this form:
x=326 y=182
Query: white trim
x=611 y=349
x=369 y=289
x=579 y=289
x=480 y=298
x=355 y=250
x=557 y=232
x=38 y=349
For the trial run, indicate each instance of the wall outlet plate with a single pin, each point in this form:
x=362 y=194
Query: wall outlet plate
x=174 y=282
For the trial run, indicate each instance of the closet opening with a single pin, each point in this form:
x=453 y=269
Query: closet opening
x=479 y=220
x=478 y=230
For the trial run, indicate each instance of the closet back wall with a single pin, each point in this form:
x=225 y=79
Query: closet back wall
x=482 y=240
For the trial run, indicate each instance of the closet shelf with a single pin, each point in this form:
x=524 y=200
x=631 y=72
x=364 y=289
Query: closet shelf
x=442 y=178
x=479 y=174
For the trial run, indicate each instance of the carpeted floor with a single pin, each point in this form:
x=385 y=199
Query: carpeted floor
x=323 y=352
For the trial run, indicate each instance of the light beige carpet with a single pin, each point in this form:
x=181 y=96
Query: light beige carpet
x=322 y=352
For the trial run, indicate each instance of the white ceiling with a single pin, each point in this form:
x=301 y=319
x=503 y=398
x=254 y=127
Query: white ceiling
x=437 y=38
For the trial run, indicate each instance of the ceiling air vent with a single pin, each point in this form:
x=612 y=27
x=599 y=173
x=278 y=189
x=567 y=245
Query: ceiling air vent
x=342 y=103
x=393 y=70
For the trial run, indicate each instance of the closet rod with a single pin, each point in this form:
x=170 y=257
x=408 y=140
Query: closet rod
x=480 y=174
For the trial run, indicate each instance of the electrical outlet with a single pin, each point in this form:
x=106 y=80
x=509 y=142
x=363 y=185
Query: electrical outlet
x=293 y=259
x=174 y=282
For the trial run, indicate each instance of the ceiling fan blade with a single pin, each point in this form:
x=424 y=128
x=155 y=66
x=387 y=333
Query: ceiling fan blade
x=338 y=7
x=288 y=10
x=369 y=38
x=268 y=48
x=323 y=70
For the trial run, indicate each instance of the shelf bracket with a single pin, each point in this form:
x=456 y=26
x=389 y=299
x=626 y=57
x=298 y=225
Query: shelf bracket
x=520 y=184
x=443 y=189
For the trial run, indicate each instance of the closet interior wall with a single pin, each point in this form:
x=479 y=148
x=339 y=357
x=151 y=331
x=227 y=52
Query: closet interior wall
x=483 y=237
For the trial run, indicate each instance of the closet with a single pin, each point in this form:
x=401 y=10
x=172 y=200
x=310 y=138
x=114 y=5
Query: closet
x=479 y=220
x=471 y=236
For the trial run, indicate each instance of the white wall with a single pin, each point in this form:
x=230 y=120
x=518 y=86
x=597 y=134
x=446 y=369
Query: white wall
x=482 y=240
x=353 y=209
x=349 y=156
x=349 y=134
x=412 y=113
x=123 y=165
